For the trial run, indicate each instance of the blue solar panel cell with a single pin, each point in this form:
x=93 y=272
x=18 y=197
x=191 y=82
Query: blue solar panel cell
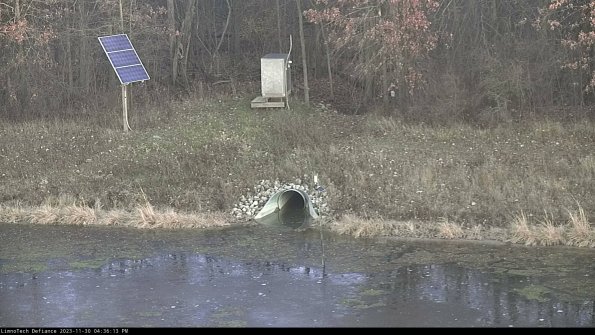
x=123 y=58
x=132 y=73
x=115 y=43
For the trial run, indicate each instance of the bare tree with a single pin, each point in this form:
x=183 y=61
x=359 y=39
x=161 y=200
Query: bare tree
x=328 y=60
x=278 y=8
x=216 y=57
x=304 y=59
x=171 y=25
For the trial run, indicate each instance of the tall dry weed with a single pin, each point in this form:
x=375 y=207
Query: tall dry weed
x=580 y=233
x=355 y=226
x=450 y=230
x=550 y=234
x=13 y=214
x=78 y=215
x=45 y=214
x=521 y=231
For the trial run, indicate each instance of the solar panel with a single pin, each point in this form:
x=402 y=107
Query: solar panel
x=123 y=58
x=129 y=74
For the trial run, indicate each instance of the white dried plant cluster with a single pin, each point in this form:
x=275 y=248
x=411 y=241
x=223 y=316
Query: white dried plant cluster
x=253 y=201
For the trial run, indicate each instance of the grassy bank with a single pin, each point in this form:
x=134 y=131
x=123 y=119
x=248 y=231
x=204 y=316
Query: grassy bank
x=201 y=156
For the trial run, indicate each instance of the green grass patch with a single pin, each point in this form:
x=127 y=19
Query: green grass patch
x=88 y=264
x=228 y=317
x=372 y=292
x=360 y=304
x=534 y=292
x=27 y=267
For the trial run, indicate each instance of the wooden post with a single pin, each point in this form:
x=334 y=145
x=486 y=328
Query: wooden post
x=125 y=108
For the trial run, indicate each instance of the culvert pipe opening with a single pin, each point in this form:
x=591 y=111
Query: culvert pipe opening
x=287 y=207
x=292 y=209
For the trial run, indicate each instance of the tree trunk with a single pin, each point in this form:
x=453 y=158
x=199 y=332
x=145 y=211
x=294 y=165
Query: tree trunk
x=384 y=85
x=84 y=65
x=236 y=25
x=278 y=7
x=132 y=5
x=367 y=55
x=171 y=24
x=328 y=61
x=69 y=65
x=181 y=41
x=385 y=92
x=304 y=60
x=216 y=59
x=17 y=11
x=121 y=17
x=315 y=52
x=22 y=88
x=184 y=41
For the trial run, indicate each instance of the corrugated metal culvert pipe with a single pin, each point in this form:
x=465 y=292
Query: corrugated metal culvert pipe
x=288 y=207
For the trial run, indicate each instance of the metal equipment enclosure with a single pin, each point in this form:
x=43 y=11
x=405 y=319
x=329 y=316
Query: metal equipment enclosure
x=275 y=78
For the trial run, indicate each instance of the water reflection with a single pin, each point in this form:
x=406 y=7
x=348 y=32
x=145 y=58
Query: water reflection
x=271 y=276
x=188 y=289
x=496 y=297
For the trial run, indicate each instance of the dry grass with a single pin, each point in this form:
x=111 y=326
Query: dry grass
x=45 y=214
x=587 y=164
x=577 y=232
x=546 y=233
x=355 y=226
x=475 y=233
x=12 y=214
x=580 y=233
x=170 y=219
x=116 y=217
x=550 y=234
x=144 y=217
x=77 y=215
x=521 y=232
x=352 y=225
x=409 y=228
x=205 y=155
x=450 y=230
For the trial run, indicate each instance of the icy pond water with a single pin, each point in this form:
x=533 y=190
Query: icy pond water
x=273 y=276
